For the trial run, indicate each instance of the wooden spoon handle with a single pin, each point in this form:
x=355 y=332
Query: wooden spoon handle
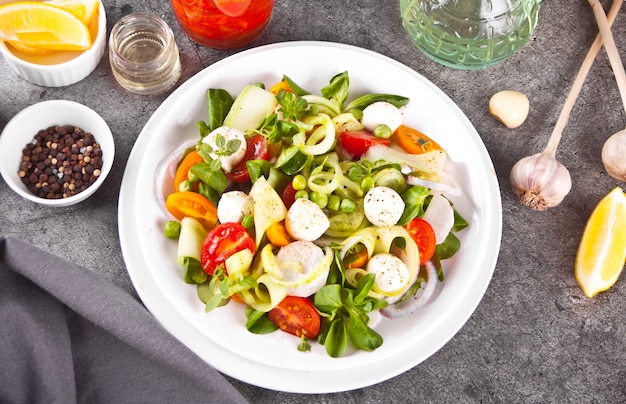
x=577 y=85
x=611 y=49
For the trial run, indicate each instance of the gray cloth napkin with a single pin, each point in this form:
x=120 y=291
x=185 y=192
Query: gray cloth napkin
x=67 y=335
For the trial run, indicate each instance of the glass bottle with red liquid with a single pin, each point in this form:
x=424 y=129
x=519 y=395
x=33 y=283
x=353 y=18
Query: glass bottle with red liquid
x=223 y=24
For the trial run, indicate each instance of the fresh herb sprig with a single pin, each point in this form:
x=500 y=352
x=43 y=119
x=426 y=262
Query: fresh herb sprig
x=345 y=316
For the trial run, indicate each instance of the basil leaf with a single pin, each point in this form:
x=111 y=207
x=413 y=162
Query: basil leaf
x=299 y=91
x=204 y=129
x=277 y=179
x=367 y=99
x=328 y=299
x=338 y=88
x=216 y=179
x=336 y=339
x=363 y=287
x=218 y=104
x=209 y=193
x=193 y=272
x=449 y=247
x=361 y=335
x=414 y=199
x=258 y=322
x=258 y=168
x=459 y=222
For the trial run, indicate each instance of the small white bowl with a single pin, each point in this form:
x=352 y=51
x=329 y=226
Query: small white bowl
x=59 y=69
x=23 y=127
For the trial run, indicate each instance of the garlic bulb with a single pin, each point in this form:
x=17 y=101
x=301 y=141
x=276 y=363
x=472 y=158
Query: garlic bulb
x=540 y=181
x=614 y=155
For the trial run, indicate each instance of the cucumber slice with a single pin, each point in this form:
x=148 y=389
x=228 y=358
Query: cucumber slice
x=250 y=108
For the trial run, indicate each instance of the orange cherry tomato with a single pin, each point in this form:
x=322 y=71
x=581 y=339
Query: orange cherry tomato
x=356 y=259
x=281 y=85
x=297 y=316
x=182 y=172
x=192 y=204
x=235 y=298
x=415 y=142
x=277 y=234
x=424 y=236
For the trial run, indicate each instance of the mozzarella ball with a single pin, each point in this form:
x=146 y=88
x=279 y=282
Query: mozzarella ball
x=228 y=162
x=383 y=206
x=308 y=255
x=381 y=113
x=306 y=221
x=390 y=271
x=233 y=206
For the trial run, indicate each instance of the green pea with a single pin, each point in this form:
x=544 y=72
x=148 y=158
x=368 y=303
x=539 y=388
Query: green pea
x=333 y=203
x=185 y=186
x=192 y=177
x=319 y=198
x=382 y=131
x=347 y=205
x=302 y=194
x=247 y=221
x=367 y=183
x=298 y=182
x=172 y=229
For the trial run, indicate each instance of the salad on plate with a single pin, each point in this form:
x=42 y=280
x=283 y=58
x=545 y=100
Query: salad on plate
x=319 y=213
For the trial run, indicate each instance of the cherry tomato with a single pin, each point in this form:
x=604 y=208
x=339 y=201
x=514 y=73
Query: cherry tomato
x=288 y=195
x=192 y=204
x=415 y=142
x=256 y=150
x=297 y=316
x=356 y=259
x=281 y=85
x=182 y=172
x=278 y=235
x=222 y=242
x=424 y=236
x=357 y=142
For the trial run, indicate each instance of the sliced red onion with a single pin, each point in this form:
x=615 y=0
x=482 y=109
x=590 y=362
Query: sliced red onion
x=413 y=303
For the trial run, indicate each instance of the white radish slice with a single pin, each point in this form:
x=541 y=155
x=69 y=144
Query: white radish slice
x=440 y=216
x=413 y=303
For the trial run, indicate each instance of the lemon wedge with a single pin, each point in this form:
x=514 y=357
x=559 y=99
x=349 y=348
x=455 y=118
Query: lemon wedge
x=84 y=10
x=43 y=25
x=602 y=250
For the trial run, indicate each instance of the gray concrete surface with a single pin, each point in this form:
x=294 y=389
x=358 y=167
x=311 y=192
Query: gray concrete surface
x=534 y=337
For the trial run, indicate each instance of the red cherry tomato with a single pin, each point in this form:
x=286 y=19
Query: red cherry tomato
x=256 y=150
x=424 y=236
x=297 y=316
x=357 y=142
x=288 y=195
x=222 y=242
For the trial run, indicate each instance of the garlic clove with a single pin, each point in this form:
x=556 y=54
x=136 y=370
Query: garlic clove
x=614 y=155
x=540 y=181
x=509 y=107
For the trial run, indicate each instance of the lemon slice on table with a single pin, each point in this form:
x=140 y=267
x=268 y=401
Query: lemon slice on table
x=43 y=25
x=602 y=249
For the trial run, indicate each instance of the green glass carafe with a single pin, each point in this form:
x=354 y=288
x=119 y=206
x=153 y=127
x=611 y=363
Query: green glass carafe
x=469 y=34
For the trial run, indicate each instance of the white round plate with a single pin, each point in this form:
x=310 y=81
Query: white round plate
x=273 y=361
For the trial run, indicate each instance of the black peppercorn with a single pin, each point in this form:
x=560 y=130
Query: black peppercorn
x=60 y=162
